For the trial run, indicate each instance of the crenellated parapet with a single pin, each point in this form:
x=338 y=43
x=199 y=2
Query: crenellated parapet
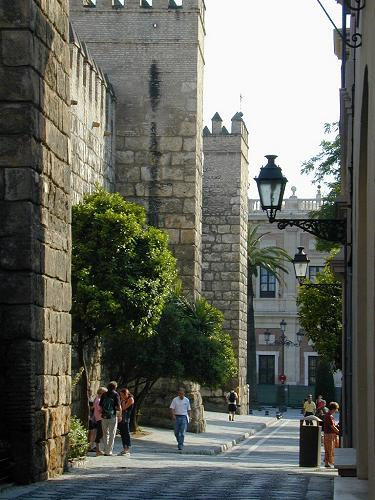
x=152 y=5
x=93 y=102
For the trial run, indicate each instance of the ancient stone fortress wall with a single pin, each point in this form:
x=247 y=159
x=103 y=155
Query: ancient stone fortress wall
x=92 y=123
x=153 y=55
x=224 y=239
x=35 y=293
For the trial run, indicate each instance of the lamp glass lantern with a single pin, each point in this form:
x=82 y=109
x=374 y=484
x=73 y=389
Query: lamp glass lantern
x=283 y=326
x=300 y=334
x=300 y=264
x=271 y=186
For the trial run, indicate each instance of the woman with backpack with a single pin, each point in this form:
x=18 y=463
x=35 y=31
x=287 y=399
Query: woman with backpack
x=110 y=405
x=127 y=404
x=232 y=398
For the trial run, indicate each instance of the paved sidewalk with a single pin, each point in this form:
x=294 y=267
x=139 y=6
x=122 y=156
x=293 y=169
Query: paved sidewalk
x=220 y=435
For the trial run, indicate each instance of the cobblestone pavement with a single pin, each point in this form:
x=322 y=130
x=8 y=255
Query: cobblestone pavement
x=263 y=467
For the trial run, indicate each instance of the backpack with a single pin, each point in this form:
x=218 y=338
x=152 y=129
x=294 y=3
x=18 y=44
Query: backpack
x=108 y=406
x=232 y=397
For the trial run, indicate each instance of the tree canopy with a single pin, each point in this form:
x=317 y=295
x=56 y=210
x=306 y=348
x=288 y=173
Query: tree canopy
x=325 y=167
x=188 y=344
x=122 y=269
x=320 y=314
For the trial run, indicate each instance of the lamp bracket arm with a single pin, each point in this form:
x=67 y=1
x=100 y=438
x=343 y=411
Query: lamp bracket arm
x=327 y=229
x=356 y=8
x=356 y=38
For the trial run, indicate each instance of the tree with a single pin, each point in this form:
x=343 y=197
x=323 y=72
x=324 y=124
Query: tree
x=188 y=343
x=122 y=273
x=320 y=314
x=325 y=166
x=273 y=259
x=324 y=381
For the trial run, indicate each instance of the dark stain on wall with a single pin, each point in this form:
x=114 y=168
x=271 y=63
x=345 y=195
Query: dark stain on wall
x=154 y=86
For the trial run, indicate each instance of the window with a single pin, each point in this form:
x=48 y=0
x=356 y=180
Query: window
x=313 y=271
x=312 y=364
x=267 y=284
x=266 y=369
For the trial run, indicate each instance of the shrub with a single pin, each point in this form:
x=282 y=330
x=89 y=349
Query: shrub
x=78 y=444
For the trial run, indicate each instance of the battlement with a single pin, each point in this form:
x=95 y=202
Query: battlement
x=137 y=4
x=238 y=128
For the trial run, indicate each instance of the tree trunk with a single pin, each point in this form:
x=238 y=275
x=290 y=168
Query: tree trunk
x=83 y=407
x=251 y=341
x=139 y=398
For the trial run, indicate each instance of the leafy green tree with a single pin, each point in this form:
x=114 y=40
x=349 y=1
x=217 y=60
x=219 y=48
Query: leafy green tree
x=188 y=344
x=320 y=314
x=122 y=273
x=273 y=259
x=325 y=167
x=324 y=381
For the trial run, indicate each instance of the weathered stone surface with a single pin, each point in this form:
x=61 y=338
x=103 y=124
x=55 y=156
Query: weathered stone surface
x=224 y=243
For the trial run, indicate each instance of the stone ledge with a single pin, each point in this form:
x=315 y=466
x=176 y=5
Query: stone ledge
x=346 y=461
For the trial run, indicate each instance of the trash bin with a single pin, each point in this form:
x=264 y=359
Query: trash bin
x=309 y=442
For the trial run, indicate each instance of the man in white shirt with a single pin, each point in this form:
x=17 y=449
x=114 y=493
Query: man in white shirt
x=180 y=413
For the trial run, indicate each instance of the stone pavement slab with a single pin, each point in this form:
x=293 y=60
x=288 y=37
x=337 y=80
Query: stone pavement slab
x=350 y=488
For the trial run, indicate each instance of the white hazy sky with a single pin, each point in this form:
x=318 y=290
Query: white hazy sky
x=279 y=55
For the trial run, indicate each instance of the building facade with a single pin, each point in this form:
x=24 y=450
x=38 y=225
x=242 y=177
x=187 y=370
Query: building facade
x=275 y=302
x=356 y=264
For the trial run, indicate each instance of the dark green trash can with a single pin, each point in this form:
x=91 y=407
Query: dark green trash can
x=309 y=444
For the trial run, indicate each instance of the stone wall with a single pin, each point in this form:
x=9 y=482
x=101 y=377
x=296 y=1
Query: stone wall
x=35 y=245
x=154 y=60
x=92 y=123
x=224 y=240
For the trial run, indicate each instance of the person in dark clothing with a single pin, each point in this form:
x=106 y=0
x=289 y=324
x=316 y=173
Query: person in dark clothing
x=127 y=404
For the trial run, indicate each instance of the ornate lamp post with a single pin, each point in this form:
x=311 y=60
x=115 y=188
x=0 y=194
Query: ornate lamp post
x=271 y=186
x=283 y=342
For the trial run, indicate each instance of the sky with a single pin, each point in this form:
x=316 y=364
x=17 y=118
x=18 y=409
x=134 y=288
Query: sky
x=277 y=54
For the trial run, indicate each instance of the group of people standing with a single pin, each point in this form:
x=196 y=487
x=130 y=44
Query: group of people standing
x=330 y=427
x=111 y=409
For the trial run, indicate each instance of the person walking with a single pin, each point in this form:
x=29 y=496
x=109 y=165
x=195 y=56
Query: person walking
x=98 y=419
x=309 y=408
x=320 y=404
x=232 y=398
x=110 y=405
x=180 y=413
x=127 y=404
x=331 y=435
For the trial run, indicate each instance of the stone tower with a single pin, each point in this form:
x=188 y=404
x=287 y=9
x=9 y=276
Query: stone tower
x=224 y=239
x=152 y=52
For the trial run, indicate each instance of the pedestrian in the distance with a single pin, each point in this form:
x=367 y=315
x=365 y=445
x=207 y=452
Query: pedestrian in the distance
x=320 y=404
x=127 y=404
x=309 y=408
x=98 y=419
x=180 y=413
x=110 y=405
x=232 y=398
x=331 y=435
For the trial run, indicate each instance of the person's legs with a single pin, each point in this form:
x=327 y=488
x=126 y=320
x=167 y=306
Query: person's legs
x=112 y=428
x=105 y=429
x=180 y=428
x=125 y=434
x=99 y=436
x=329 y=446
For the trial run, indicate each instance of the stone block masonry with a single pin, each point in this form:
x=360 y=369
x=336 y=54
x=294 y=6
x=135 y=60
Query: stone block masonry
x=224 y=239
x=35 y=244
x=92 y=123
x=153 y=56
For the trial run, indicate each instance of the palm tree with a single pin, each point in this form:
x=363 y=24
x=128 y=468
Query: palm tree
x=273 y=260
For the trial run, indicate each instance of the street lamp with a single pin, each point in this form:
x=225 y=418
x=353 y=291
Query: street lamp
x=271 y=186
x=300 y=264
